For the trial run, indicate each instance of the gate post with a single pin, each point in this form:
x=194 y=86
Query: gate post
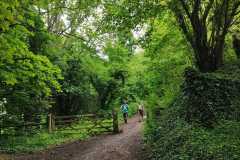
x=115 y=121
x=50 y=123
x=53 y=123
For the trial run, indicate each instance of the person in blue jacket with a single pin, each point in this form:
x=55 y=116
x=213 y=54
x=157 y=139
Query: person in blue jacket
x=124 y=108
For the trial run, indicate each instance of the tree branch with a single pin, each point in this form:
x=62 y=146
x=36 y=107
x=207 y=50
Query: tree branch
x=207 y=10
x=186 y=9
x=196 y=8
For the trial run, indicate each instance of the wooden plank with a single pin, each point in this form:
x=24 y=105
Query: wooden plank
x=79 y=121
x=24 y=125
x=59 y=123
x=66 y=121
x=75 y=128
x=90 y=122
x=75 y=116
x=110 y=122
x=86 y=127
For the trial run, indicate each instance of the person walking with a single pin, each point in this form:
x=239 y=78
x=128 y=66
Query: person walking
x=124 y=109
x=141 y=112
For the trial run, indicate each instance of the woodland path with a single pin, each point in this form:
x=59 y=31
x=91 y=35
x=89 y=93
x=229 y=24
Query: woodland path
x=123 y=146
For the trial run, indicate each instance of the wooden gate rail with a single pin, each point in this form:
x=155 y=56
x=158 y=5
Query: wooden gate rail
x=95 y=122
x=17 y=128
x=107 y=122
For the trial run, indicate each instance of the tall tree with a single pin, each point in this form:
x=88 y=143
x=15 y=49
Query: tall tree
x=205 y=23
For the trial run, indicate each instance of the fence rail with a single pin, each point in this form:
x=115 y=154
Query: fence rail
x=89 y=122
x=27 y=124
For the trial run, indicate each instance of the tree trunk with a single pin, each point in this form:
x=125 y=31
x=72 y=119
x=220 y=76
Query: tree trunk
x=203 y=56
x=219 y=55
x=209 y=59
x=211 y=62
x=205 y=60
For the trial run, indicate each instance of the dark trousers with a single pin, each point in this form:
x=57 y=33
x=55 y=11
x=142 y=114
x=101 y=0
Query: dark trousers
x=140 y=112
x=125 y=116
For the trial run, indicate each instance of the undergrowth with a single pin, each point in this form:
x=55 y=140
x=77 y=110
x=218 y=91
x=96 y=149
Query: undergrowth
x=171 y=137
x=202 y=123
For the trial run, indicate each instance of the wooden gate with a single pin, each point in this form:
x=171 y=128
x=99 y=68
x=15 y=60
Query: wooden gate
x=92 y=123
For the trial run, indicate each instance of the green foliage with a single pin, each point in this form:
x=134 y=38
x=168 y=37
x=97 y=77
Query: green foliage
x=173 y=138
x=9 y=14
x=236 y=43
x=169 y=57
x=136 y=85
x=211 y=97
x=202 y=122
x=230 y=55
x=24 y=76
x=47 y=66
x=77 y=67
x=208 y=100
x=68 y=57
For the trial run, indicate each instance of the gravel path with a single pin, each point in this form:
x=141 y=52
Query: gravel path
x=123 y=146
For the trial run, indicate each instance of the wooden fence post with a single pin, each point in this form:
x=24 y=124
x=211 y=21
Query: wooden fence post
x=115 y=121
x=50 y=123
x=53 y=123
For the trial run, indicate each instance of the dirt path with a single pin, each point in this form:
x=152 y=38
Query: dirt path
x=123 y=146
